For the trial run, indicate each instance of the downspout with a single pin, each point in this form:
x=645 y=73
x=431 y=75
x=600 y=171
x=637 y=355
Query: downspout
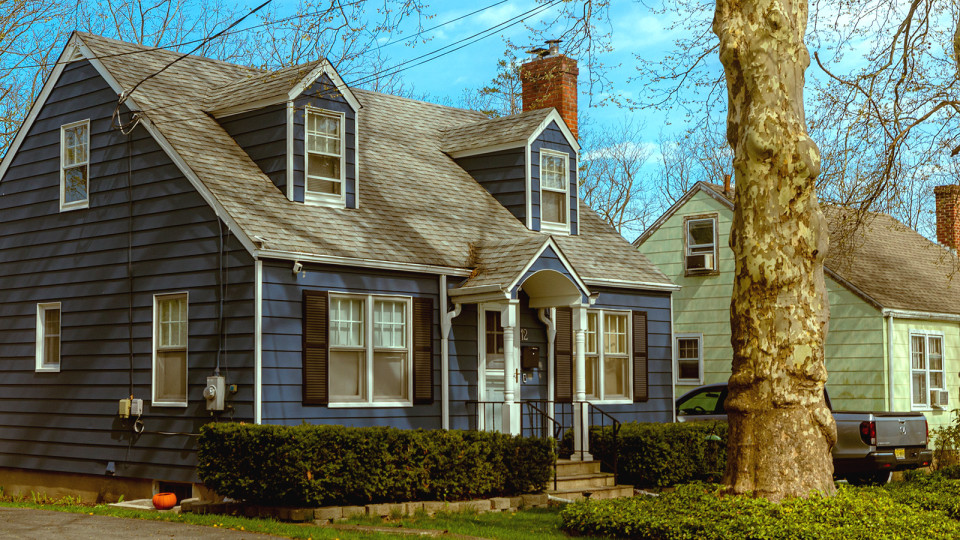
x=258 y=342
x=673 y=365
x=890 y=361
x=446 y=322
x=551 y=324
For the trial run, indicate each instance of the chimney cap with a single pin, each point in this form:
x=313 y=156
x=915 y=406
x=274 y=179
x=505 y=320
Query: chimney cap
x=553 y=45
x=539 y=52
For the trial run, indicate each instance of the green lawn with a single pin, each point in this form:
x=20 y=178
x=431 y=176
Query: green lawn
x=523 y=525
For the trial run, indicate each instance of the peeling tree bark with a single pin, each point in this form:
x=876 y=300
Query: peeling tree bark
x=781 y=432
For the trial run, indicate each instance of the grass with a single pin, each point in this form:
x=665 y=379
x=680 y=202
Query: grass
x=542 y=523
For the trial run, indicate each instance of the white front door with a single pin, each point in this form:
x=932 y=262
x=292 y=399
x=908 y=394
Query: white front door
x=491 y=372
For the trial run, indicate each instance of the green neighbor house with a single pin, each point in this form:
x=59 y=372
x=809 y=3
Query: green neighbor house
x=894 y=334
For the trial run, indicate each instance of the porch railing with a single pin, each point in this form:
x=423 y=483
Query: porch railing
x=489 y=415
x=605 y=443
x=537 y=423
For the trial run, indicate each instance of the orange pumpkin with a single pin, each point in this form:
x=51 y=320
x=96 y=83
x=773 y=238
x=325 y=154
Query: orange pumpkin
x=164 y=501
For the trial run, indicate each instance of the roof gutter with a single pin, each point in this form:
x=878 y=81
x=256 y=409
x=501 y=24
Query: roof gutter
x=632 y=284
x=923 y=315
x=362 y=263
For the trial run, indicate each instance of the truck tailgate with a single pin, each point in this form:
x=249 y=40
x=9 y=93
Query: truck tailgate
x=900 y=431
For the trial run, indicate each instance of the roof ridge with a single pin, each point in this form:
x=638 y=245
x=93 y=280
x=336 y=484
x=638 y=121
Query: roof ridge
x=148 y=48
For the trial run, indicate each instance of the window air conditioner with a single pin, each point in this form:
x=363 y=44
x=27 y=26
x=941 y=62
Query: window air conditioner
x=939 y=399
x=703 y=261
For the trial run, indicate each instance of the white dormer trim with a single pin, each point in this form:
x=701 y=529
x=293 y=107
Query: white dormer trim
x=324 y=67
x=499 y=147
x=554 y=116
x=290 y=151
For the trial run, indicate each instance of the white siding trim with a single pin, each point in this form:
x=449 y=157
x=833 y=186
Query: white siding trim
x=554 y=116
x=486 y=149
x=563 y=260
x=632 y=284
x=325 y=68
x=922 y=315
x=529 y=186
x=291 y=173
x=258 y=343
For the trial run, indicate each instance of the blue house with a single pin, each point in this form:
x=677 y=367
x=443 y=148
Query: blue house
x=311 y=251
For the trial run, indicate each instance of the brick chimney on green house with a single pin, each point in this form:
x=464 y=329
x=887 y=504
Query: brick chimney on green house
x=948 y=208
x=550 y=80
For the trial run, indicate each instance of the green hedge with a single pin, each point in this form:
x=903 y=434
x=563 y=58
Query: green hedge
x=698 y=511
x=665 y=454
x=318 y=465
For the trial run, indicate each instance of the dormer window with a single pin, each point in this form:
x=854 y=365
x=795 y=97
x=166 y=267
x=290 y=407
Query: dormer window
x=324 y=157
x=554 y=186
x=74 y=165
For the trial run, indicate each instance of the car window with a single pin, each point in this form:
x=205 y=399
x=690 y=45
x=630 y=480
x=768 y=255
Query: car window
x=702 y=403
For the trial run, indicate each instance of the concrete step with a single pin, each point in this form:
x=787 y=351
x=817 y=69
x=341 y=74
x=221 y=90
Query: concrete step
x=585 y=481
x=567 y=467
x=610 y=492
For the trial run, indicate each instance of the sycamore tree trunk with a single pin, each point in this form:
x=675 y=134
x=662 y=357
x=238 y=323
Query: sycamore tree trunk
x=781 y=432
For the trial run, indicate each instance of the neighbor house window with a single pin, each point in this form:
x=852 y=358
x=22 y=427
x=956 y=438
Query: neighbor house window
x=554 y=185
x=690 y=358
x=48 y=337
x=700 y=241
x=74 y=165
x=324 y=156
x=607 y=356
x=370 y=350
x=170 y=336
x=926 y=367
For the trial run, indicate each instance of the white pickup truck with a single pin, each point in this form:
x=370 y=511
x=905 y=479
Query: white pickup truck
x=870 y=445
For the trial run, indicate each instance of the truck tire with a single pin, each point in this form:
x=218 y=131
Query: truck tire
x=869 y=478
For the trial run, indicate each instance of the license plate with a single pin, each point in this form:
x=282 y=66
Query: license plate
x=900 y=453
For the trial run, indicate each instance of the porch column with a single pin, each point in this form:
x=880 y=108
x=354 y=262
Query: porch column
x=511 y=408
x=581 y=416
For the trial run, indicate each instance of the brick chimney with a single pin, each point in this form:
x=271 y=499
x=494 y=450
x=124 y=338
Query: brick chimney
x=550 y=80
x=948 y=208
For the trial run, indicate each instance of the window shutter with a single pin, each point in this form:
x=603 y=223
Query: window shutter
x=563 y=356
x=422 y=351
x=640 y=369
x=316 y=338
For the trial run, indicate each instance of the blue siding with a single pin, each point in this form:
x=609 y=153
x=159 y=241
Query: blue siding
x=282 y=344
x=67 y=421
x=504 y=175
x=324 y=95
x=263 y=136
x=464 y=353
x=552 y=139
x=659 y=408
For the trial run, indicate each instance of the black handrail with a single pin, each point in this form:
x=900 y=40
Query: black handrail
x=537 y=420
x=610 y=457
x=495 y=408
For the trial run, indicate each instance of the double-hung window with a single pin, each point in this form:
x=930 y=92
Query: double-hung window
x=74 y=165
x=554 y=190
x=324 y=156
x=700 y=245
x=170 y=336
x=690 y=359
x=926 y=367
x=48 y=336
x=370 y=350
x=607 y=356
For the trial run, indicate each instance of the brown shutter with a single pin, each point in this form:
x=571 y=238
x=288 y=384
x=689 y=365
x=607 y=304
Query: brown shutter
x=563 y=356
x=316 y=338
x=422 y=351
x=640 y=379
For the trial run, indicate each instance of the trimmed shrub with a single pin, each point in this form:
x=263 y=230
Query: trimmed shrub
x=316 y=465
x=946 y=443
x=665 y=454
x=699 y=511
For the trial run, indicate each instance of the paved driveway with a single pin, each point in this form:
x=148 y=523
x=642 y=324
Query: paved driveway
x=32 y=524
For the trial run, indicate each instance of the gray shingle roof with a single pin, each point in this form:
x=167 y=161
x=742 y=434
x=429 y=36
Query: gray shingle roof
x=416 y=204
x=494 y=131
x=889 y=262
x=500 y=262
x=257 y=86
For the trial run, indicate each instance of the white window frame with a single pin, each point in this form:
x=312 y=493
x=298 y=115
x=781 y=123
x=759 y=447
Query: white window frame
x=155 y=349
x=551 y=226
x=319 y=198
x=689 y=248
x=927 y=336
x=41 y=366
x=83 y=203
x=601 y=356
x=676 y=363
x=369 y=301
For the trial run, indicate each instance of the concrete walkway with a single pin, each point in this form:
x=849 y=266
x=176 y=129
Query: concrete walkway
x=27 y=523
